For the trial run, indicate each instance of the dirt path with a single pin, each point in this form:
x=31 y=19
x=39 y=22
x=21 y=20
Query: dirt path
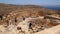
x=53 y=30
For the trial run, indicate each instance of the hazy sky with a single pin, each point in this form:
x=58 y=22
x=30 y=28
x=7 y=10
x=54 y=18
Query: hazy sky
x=35 y=2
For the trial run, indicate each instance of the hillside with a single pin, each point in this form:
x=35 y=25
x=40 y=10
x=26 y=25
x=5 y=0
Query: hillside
x=7 y=8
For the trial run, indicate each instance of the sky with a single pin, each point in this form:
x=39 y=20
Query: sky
x=32 y=2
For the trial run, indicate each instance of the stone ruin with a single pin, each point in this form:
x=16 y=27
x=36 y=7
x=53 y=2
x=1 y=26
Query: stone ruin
x=17 y=22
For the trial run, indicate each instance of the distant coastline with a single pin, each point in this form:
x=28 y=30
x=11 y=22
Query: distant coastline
x=52 y=7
